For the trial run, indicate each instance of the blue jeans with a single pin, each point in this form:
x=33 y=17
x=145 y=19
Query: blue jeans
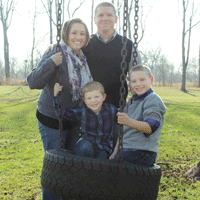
x=138 y=157
x=51 y=140
x=86 y=148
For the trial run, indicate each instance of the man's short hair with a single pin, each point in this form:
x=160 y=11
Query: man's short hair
x=143 y=68
x=91 y=86
x=104 y=4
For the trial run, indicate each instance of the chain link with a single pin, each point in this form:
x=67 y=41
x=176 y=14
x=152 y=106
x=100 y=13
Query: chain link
x=135 y=44
x=123 y=76
x=58 y=49
x=124 y=65
x=59 y=25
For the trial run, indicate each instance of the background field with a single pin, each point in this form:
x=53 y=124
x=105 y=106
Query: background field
x=22 y=152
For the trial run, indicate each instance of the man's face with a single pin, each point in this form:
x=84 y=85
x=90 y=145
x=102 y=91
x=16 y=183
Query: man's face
x=105 y=19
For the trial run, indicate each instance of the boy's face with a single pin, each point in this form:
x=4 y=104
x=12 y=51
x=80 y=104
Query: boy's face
x=94 y=100
x=140 y=82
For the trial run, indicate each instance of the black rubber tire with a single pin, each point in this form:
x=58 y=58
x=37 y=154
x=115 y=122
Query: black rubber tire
x=82 y=178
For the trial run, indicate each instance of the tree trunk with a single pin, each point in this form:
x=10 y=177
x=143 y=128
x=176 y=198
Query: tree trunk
x=92 y=17
x=6 y=21
x=6 y=53
x=183 y=86
x=50 y=22
x=199 y=65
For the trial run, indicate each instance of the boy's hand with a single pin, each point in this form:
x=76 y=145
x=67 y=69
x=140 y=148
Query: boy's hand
x=57 y=88
x=57 y=58
x=112 y=156
x=123 y=118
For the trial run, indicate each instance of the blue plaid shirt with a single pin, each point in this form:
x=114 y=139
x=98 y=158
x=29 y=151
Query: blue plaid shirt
x=97 y=128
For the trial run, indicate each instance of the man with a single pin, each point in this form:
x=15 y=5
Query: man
x=104 y=52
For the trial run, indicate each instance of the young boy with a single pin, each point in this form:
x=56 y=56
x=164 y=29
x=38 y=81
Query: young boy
x=143 y=119
x=98 y=119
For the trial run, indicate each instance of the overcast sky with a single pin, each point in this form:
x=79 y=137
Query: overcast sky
x=163 y=28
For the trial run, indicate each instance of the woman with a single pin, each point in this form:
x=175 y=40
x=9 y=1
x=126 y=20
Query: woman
x=74 y=73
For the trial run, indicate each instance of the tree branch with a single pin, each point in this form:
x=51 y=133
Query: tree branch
x=78 y=7
x=192 y=26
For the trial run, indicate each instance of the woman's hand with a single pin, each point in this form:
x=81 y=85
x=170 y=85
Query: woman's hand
x=57 y=88
x=57 y=58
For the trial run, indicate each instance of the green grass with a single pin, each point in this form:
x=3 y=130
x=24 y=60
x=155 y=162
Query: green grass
x=22 y=152
x=179 y=143
x=21 y=147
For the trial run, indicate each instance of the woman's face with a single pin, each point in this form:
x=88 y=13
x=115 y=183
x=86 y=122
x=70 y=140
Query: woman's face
x=77 y=37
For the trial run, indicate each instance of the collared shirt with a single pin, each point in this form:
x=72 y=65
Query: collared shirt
x=141 y=97
x=108 y=40
x=154 y=124
x=97 y=128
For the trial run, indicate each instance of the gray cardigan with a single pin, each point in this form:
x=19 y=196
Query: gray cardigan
x=150 y=107
x=44 y=77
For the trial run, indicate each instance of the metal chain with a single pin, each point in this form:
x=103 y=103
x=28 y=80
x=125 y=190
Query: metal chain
x=58 y=49
x=135 y=44
x=123 y=76
x=124 y=65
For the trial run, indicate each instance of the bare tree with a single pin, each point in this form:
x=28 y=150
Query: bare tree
x=141 y=19
x=92 y=17
x=192 y=70
x=151 y=58
x=118 y=9
x=13 y=65
x=34 y=27
x=199 y=65
x=187 y=6
x=78 y=6
x=1 y=71
x=161 y=67
x=6 y=12
x=49 y=11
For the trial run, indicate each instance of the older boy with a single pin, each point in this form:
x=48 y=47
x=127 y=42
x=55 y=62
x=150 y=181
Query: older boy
x=97 y=121
x=143 y=119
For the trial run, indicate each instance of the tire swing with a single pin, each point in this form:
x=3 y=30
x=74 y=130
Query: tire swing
x=82 y=178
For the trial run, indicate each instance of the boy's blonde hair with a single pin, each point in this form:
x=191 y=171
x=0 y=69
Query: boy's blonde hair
x=91 y=86
x=143 y=68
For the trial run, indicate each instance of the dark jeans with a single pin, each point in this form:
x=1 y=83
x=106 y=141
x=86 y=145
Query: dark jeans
x=86 y=148
x=51 y=140
x=138 y=157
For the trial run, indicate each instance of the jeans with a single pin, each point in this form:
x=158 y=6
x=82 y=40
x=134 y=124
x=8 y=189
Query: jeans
x=51 y=140
x=86 y=148
x=138 y=157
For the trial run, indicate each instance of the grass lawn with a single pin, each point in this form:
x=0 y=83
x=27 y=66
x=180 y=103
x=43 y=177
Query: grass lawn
x=22 y=152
